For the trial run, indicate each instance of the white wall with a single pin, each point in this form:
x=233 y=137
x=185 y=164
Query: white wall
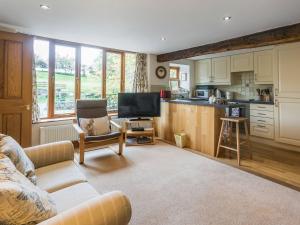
x=152 y=64
x=191 y=64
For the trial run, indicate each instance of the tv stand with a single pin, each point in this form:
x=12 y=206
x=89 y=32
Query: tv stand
x=139 y=137
x=139 y=119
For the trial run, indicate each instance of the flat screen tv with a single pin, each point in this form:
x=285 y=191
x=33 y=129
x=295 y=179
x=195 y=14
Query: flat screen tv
x=138 y=105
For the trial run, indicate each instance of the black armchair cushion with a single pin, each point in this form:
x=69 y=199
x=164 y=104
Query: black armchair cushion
x=103 y=137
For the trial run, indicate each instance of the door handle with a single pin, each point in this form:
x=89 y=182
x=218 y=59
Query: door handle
x=276 y=91
x=276 y=103
x=27 y=107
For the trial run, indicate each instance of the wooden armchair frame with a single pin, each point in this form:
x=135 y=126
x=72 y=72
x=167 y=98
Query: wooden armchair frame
x=83 y=144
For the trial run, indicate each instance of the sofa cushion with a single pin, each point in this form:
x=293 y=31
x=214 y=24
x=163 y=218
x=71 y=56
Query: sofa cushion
x=15 y=152
x=21 y=202
x=60 y=175
x=72 y=196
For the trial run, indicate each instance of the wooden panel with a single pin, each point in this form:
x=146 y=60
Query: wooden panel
x=287 y=123
x=242 y=62
x=279 y=35
x=13 y=69
x=2 y=50
x=11 y=125
x=16 y=51
x=200 y=123
x=203 y=71
x=263 y=67
x=287 y=71
x=221 y=71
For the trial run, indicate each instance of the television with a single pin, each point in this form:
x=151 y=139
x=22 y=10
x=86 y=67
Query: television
x=138 y=105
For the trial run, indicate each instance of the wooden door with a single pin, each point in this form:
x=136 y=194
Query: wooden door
x=203 y=71
x=287 y=122
x=16 y=52
x=242 y=62
x=287 y=71
x=263 y=67
x=221 y=71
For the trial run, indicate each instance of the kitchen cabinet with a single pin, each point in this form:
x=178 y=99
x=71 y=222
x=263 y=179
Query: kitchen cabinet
x=263 y=67
x=262 y=120
x=242 y=62
x=287 y=71
x=203 y=71
x=221 y=71
x=287 y=122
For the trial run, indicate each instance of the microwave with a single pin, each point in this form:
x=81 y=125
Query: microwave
x=202 y=93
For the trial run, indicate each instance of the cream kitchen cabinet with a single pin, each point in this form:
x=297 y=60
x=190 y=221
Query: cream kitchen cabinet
x=242 y=62
x=263 y=67
x=203 y=71
x=287 y=122
x=287 y=70
x=221 y=71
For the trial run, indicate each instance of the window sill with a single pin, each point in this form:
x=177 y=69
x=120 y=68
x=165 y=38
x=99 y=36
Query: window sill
x=49 y=120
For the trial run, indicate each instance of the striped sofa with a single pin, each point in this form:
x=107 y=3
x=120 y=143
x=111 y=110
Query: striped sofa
x=76 y=200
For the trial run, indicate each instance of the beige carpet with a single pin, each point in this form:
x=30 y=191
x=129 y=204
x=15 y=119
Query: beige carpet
x=170 y=186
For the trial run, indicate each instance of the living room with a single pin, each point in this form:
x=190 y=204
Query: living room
x=140 y=113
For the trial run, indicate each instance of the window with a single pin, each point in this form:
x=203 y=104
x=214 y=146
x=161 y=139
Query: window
x=130 y=61
x=68 y=71
x=41 y=56
x=174 y=78
x=64 y=79
x=113 y=79
x=91 y=73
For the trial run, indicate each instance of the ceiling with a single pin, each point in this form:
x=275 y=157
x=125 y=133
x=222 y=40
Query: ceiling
x=139 y=25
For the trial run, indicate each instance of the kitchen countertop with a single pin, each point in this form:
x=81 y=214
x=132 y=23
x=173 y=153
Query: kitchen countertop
x=203 y=103
x=253 y=102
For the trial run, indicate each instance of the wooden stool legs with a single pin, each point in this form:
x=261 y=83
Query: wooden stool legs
x=237 y=128
x=237 y=121
x=220 y=139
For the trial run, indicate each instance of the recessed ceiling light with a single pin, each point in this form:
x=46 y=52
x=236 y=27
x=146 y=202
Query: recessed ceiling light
x=163 y=38
x=227 y=18
x=45 y=7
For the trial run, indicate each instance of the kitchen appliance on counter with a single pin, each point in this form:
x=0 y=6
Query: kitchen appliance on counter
x=204 y=92
x=229 y=95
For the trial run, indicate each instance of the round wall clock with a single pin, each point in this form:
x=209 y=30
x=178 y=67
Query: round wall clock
x=161 y=72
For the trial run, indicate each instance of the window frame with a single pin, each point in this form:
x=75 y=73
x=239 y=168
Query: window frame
x=177 y=79
x=77 y=89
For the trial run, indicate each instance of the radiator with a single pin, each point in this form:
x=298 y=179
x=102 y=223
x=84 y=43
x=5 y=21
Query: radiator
x=57 y=133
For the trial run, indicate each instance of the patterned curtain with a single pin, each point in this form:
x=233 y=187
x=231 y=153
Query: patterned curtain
x=35 y=106
x=140 y=82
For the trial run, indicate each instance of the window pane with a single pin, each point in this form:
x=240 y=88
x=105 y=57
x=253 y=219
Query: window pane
x=91 y=73
x=41 y=56
x=173 y=73
x=130 y=60
x=113 y=79
x=174 y=85
x=64 y=79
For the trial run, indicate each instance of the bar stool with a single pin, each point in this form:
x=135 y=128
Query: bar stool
x=229 y=121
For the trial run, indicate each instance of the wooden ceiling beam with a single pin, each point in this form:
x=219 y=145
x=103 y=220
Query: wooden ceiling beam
x=275 y=36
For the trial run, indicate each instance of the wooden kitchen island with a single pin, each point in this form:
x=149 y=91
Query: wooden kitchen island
x=200 y=122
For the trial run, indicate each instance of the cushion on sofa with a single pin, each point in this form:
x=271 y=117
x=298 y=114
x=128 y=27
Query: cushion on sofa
x=15 y=152
x=72 y=196
x=21 y=202
x=57 y=176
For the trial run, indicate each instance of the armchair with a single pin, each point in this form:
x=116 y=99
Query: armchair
x=95 y=109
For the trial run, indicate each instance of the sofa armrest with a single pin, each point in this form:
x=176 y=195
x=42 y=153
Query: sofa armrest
x=109 y=209
x=47 y=154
